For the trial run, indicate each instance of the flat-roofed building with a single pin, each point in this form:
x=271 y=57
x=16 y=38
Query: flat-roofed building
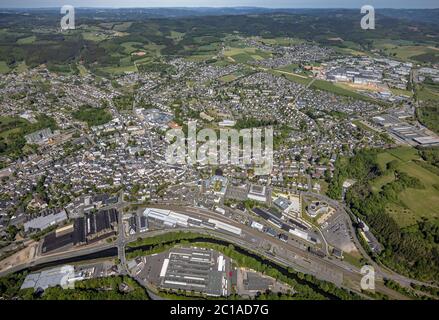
x=258 y=193
x=61 y=276
x=39 y=136
x=427 y=140
x=45 y=220
x=196 y=269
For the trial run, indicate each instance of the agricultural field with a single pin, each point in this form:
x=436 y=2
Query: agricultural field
x=414 y=204
x=425 y=54
x=199 y=57
x=347 y=47
x=154 y=49
x=426 y=93
x=244 y=55
x=387 y=44
x=130 y=47
x=119 y=70
x=94 y=36
x=208 y=49
x=122 y=26
x=281 y=41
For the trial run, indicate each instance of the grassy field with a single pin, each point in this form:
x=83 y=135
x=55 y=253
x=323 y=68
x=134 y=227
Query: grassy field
x=343 y=91
x=408 y=50
x=282 y=41
x=413 y=52
x=349 y=48
x=350 y=51
x=400 y=92
x=289 y=68
x=124 y=26
x=27 y=40
x=383 y=159
x=379 y=182
x=429 y=116
x=403 y=216
x=228 y=78
x=390 y=43
x=82 y=70
x=292 y=77
x=243 y=55
x=4 y=67
x=425 y=93
x=404 y=154
x=413 y=203
x=354 y=259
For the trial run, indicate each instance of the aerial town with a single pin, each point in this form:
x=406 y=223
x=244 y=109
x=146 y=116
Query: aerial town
x=87 y=191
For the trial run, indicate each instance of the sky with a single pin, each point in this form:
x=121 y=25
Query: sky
x=223 y=3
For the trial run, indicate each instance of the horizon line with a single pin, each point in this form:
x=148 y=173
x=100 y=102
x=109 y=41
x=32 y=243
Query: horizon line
x=220 y=7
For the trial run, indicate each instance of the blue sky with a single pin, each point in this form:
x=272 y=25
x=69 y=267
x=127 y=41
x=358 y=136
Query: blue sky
x=224 y=3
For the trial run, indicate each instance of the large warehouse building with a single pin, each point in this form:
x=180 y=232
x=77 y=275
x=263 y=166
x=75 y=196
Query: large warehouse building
x=196 y=269
x=173 y=219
